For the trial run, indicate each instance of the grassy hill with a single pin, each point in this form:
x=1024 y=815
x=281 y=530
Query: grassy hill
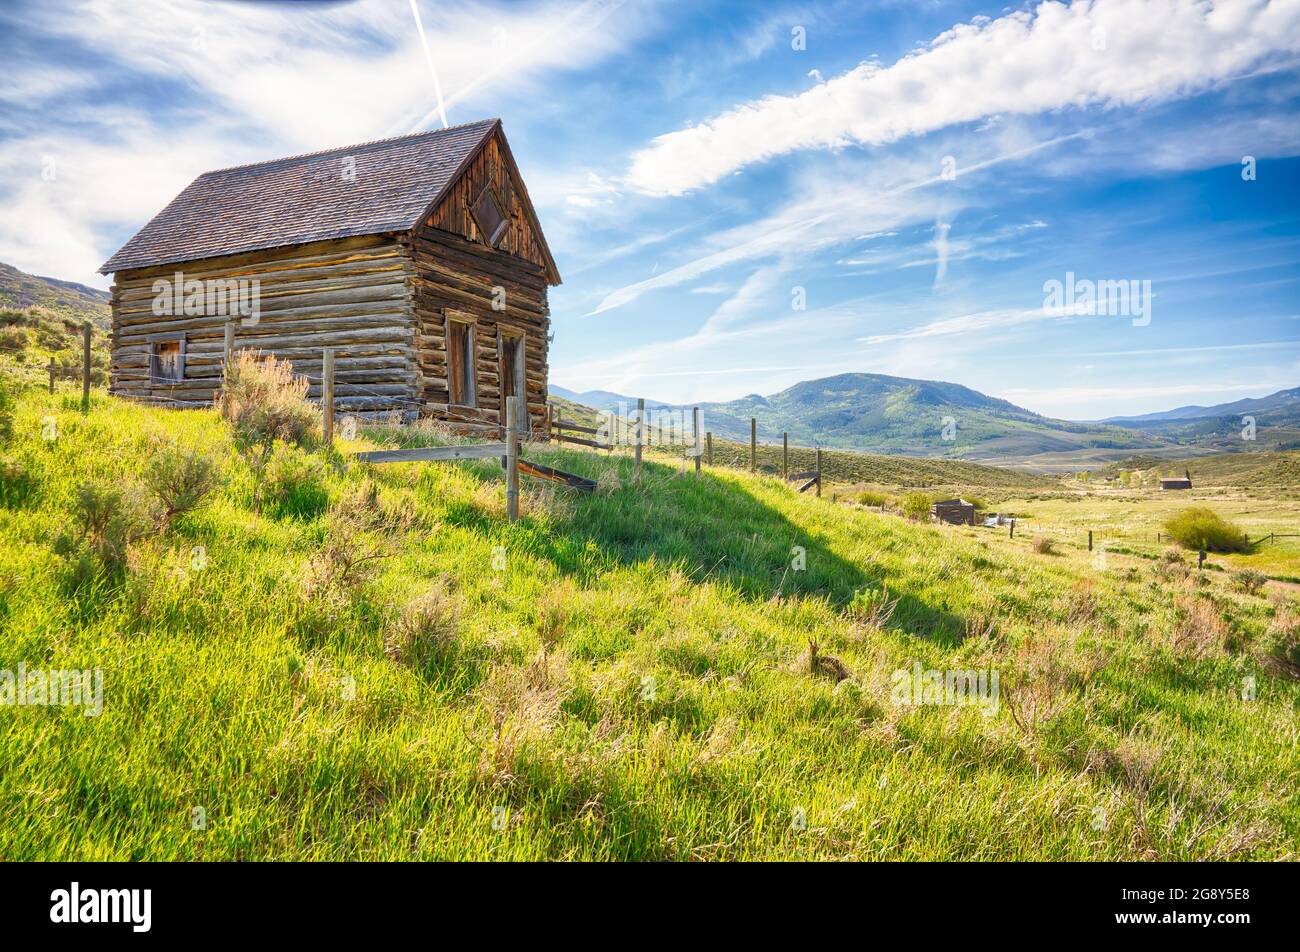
x=372 y=663
x=20 y=290
x=42 y=318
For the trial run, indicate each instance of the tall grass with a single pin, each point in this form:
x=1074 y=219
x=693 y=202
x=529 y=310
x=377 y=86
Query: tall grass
x=404 y=674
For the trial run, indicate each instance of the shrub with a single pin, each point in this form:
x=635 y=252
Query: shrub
x=7 y=401
x=107 y=518
x=1202 y=528
x=917 y=505
x=181 y=480
x=1042 y=545
x=264 y=402
x=1249 y=581
x=873 y=497
x=351 y=551
x=294 y=484
x=14 y=340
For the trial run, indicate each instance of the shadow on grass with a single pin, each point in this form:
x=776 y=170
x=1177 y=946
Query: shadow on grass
x=711 y=527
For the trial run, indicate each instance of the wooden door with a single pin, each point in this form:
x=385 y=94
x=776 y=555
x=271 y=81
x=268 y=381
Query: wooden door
x=512 y=354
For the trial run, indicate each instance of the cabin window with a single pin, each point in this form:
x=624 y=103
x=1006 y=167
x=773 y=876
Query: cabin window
x=488 y=214
x=460 y=363
x=167 y=361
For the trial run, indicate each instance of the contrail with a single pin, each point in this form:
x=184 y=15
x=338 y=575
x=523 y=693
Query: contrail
x=428 y=56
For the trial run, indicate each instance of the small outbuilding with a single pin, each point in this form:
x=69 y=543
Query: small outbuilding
x=957 y=512
x=418 y=261
x=1176 y=482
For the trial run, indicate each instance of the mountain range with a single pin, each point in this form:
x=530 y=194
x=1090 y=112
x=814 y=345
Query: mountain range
x=884 y=414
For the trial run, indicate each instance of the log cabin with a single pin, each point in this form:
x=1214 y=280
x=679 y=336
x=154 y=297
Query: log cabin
x=418 y=259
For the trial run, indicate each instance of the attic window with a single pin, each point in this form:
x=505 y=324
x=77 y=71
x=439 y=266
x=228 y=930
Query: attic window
x=490 y=218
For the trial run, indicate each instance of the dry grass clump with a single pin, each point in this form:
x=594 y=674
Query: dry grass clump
x=1198 y=627
x=608 y=482
x=554 y=612
x=1042 y=545
x=1081 y=602
x=523 y=703
x=980 y=626
x=537 y=497
x=1283 y=651
x=1041 y=689
x=424 y=631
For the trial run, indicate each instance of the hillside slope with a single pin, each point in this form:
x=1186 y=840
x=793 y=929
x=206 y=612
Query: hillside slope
x=626 y=675
x=20 y=290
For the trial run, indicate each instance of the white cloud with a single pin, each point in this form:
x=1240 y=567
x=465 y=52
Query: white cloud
x=1104 y=53
x=234 y=83
x=830 y=208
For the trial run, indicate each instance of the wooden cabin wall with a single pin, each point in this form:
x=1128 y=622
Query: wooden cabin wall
x=355 y=295
x=453 y=274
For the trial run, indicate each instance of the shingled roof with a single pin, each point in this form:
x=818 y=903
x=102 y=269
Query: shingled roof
x=306 y=198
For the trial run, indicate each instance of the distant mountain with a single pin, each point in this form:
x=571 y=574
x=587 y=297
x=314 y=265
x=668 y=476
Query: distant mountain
x=1286 y=402
x=603 y=400
x=883 y=414
x=20 y=290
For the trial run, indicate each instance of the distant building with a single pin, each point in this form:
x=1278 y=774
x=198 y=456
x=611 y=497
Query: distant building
x=958 y=512
x=1176 y=482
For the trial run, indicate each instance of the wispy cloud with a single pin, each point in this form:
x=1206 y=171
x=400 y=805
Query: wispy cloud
x=1105 y=53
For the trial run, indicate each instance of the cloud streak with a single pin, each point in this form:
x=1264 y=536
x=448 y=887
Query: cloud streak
x=1108 y=53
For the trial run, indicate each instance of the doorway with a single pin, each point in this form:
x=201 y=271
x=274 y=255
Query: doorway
x=513 y=354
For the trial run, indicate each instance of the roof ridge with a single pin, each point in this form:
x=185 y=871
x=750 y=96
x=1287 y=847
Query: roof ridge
x=347 y=148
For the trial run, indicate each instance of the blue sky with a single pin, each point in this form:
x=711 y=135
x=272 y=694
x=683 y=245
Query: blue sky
x=742 y=196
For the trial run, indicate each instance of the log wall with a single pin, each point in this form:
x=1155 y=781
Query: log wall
x=460 y=278
x=356 y=295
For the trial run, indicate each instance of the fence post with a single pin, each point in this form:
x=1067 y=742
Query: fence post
x=708 y=439
x=1089 y=540
x=695 y=423
x=785 y=455
x=52 y=366
x=85 y=367
x=819 y=472
x=1013 y=529
x=228 y=350
x=640 y=423
x=512 y=458
x=327 y=396
x=753 y=445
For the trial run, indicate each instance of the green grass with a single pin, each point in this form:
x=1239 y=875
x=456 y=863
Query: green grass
x=626 y=677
